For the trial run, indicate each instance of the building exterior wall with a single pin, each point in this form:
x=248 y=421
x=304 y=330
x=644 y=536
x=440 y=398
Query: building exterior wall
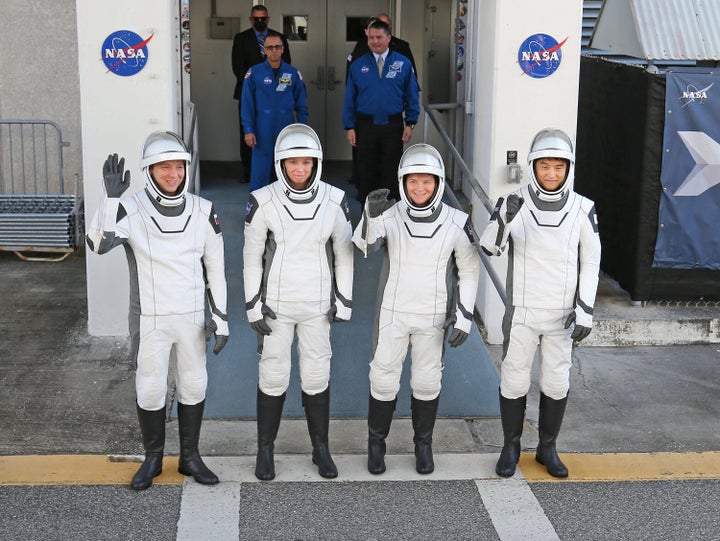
x=39 y=70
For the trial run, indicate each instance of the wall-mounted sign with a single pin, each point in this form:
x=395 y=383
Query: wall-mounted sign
x=125 y=53
x=540 y=55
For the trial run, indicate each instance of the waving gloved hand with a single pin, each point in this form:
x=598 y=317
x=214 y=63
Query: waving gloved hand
x=457 y=337
x=377 y=202
x=115 y=181
x=512 y=207
x=221 y=335
x=260 y=325
x=583 y=324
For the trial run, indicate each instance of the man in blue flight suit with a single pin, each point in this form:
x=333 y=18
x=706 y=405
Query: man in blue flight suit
x=381 y=87
x=273 y=93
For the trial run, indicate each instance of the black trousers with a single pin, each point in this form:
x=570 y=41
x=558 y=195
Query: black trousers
x=379 y=149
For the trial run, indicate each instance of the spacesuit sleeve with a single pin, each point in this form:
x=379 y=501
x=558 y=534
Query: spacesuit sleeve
x=343 y=261
x=256 y=232
x=589 y=256
x=468 y=265
x=109 y=226
x=214 y=264
x=369 y=235
x=495 y=236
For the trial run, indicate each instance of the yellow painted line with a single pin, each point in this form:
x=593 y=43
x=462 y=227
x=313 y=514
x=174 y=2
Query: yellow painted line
x=78 y=470
x=627 y=466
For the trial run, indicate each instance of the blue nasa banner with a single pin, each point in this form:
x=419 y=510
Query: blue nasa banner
x=689 y=214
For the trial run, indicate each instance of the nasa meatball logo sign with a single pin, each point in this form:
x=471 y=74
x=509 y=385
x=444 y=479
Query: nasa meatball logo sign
x=540 y=55
x=125 y=53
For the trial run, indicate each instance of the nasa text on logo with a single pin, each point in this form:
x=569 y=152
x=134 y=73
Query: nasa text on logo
x=125 y=53
x=540 y=55
x=693 y=94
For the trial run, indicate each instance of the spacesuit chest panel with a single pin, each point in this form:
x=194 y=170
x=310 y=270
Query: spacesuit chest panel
x=168 y=252
x=300 y=270
x=545 y=255
x=419 y=254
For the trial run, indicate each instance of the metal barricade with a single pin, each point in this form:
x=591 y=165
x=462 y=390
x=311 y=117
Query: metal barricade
x=36 y=213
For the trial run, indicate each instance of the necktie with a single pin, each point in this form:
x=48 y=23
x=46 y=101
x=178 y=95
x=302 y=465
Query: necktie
x=380 y=64
x=261 y=42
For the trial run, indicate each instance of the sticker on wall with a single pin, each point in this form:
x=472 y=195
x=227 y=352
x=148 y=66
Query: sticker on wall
x=540 y=55
x=125 y=53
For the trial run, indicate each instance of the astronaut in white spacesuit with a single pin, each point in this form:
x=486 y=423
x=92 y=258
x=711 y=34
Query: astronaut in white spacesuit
x=553 y=268
x=175 y=253
x=298 y=274
x=428 y=285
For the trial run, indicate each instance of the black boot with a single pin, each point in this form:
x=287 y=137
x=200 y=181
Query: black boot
x=551 y=417
x=190 y=463
x=269 y=411
x=317 y=413
x=152 y=426
x=380 y=414
x=424 y=413
x=512 y=415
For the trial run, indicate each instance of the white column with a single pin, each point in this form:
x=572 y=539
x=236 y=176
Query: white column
x=118 y=112
x=508 y=107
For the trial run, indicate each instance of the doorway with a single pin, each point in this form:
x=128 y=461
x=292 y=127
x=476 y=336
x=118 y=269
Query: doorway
x=322 y=33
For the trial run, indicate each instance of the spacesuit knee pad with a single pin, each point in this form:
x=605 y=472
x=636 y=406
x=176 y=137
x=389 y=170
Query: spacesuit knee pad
x=555 y=389
x=192 y=390
x=513 y=388
x=151 y=393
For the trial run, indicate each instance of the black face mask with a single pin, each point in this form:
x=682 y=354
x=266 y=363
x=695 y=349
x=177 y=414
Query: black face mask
x=260 y=26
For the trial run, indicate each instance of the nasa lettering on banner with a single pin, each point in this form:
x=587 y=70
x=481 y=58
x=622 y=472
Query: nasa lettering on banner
x=125 y=53
x=540 y=55
x=688 y=232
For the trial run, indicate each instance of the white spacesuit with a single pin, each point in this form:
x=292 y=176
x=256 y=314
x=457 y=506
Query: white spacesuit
x=175 y=253
x=298 y=273
x=429 y=282
x=553 y=268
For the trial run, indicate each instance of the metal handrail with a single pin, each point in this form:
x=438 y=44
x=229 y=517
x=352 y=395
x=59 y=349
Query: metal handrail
x=449 y=192
x=191 y=138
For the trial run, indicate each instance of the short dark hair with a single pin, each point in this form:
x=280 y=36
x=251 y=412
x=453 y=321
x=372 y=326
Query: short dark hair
x=377 y=24
x=259 y=7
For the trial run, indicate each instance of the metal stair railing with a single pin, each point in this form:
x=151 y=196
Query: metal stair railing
x=477 y=189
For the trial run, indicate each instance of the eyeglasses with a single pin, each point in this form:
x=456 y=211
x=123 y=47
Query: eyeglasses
x=259 y=19
x=273 y=47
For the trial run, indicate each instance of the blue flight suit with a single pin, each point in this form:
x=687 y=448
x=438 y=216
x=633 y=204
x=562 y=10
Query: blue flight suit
x=374 y=108
x=269 y=98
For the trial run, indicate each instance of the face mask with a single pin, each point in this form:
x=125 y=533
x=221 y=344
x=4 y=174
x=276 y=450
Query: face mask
x=260 y=26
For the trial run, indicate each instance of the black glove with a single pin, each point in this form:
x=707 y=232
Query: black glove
x=332 y=315
x=579 y=332
x=512 y=207
x=115 y=182
x=260 y=326
x=377 y=202
x=220 y=339
x=457 y=337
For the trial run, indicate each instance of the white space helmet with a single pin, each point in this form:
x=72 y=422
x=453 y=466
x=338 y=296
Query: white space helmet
x=161 y=146
x=298 y=141
x=552 y=143
x=422 y=158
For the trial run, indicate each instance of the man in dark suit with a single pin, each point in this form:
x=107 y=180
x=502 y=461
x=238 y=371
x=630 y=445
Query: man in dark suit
x=248 y=50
